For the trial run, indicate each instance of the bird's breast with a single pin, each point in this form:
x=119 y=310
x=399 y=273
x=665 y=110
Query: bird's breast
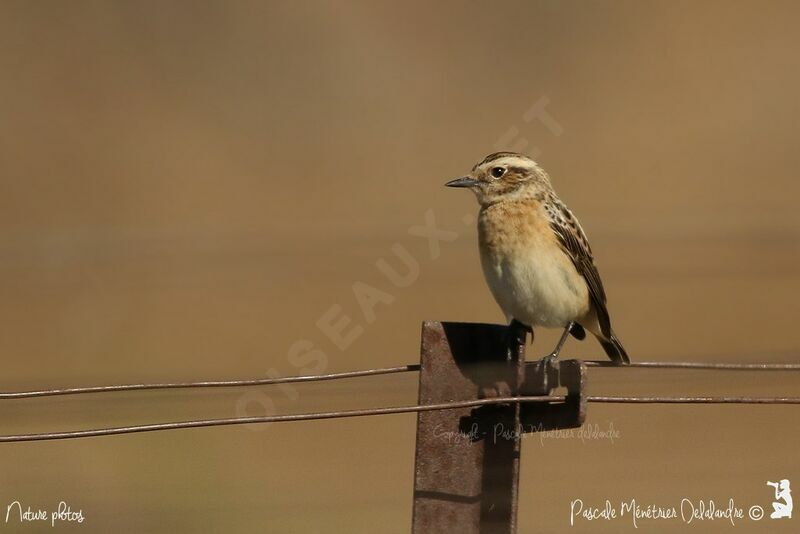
x=528 y=273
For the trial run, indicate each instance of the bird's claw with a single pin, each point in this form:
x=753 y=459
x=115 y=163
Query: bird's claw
x=517 y=332
x=550 y=359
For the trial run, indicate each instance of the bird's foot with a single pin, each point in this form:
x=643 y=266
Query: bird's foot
x=550 y=359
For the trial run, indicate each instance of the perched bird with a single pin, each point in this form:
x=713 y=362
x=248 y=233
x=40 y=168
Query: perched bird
x=534 y=253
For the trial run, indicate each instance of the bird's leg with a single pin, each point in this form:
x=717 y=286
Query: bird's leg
x=516 y=331
x=553 y=355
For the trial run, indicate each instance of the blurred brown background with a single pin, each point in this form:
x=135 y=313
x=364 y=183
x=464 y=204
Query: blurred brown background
x=187 y=187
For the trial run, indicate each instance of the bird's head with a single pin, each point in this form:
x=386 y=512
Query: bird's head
x=504 y=176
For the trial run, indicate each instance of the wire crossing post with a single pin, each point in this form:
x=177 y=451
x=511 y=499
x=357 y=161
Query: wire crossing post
x=467 y=459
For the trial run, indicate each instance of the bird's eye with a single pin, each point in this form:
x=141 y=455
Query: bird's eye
x=497 y=172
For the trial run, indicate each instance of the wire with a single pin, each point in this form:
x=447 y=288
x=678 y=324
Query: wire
x=698 y=365
x=273 y=418
x=384 y=411
x=208 y=384
x=697 y=400
x=373 y=372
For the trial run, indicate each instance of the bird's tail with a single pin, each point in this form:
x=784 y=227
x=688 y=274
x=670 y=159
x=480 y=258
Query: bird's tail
x=615 y=350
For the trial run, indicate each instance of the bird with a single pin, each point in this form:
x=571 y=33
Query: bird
x=534 y=253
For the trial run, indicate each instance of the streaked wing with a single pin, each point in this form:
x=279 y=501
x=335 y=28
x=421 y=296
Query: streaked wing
x=574 y=243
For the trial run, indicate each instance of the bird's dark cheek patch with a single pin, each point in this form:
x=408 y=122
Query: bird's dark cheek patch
x=506 y=187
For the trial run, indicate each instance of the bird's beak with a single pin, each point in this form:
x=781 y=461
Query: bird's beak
x=465 y=181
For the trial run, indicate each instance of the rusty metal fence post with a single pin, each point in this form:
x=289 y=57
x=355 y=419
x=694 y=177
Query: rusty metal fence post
x=467 y=459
